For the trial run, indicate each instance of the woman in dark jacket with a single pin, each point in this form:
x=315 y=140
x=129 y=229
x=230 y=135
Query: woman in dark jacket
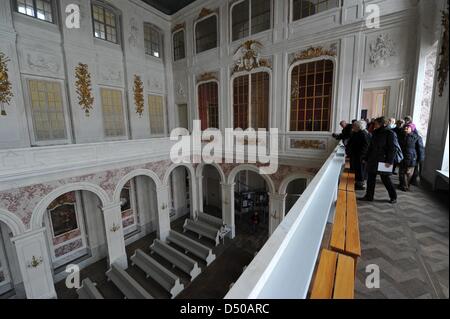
x=413 y=153
x=381 y=150
x=357 y=147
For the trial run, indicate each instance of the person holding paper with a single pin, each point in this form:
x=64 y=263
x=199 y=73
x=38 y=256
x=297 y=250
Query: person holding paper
x=380 y=160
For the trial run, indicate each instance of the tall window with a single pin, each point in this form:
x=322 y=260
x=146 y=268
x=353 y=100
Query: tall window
x=179 y=50
x=306 y=8
x=251 y=101
x=113 y=117
x=157 y=114
x=206 y=34
x=105 y=23
x=47 y=111
x=208 y=105
x=152 y=40
x=39 y=9
x=250 y=17
x=311 y=96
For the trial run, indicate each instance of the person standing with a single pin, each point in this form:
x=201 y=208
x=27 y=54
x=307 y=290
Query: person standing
x=413 y=150
x=346 y=132
x=357 y=148
x=398 y=130
x=416 y=174
x=381 y=150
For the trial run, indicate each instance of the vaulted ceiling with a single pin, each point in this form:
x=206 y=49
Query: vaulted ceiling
x=168 y=6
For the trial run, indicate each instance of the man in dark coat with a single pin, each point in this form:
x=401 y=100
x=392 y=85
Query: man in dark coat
x=413 y=152
x=346 y=132
x=381 y=150
x=357 y=148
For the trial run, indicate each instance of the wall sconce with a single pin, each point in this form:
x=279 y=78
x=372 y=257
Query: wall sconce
x=35 y=262
x=163 y=206
x=274 y=215
x=114 y=228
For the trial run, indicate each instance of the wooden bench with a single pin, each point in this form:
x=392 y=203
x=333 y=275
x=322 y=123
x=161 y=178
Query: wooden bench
x=88 y=290
x=210 y=220
x=189 y=245
x=157 y=272
x=126 y=284
x=176 y=258
x=345 y=237
x=202 y=230
x=335 y=277
x=347 y=182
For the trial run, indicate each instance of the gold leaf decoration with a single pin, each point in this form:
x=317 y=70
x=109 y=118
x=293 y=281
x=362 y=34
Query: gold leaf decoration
x=6 y=93
x=313 y=52
x=207 y=76
x=84 y=87
x=138 y=91
x=443 y=65
x=205 y=12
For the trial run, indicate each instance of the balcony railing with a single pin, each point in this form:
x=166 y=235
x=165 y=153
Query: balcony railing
x=285 y=265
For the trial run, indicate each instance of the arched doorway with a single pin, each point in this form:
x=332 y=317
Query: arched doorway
x=294 y=191
x=212 y=191
x=11 y=283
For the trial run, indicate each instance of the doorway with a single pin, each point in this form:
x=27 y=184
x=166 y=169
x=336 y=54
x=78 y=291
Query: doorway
x=374 y=103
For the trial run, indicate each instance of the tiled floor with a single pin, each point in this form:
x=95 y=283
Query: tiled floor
x=409 y=242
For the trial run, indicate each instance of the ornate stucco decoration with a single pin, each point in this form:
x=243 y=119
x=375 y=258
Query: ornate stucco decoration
x=138 y=90
x=444 y=55
x=178 y=27
x=381 y=50
x=314 y=52
x=6 y=93
x=308 y=144
x=180 y=90
x=204 y=13
x=247 y=57
x=84 y=87
x=133 y=35
x=110 y=74
x=40 y=63
x=207 y=76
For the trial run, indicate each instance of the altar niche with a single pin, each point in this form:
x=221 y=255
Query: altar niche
x=212 y=191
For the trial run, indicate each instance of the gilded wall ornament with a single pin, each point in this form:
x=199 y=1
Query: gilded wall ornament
x=314 y=52
x=207 y=76
x=205 y=12
x=84 y=89
x=179 y=26
x=247 y=57
x=444 y=54
x=6 y=93
x=138 y=91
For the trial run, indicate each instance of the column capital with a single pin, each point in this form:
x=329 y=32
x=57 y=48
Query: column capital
x=277 y=196
x=28 y=234
x=227 y=184
x=110 y=206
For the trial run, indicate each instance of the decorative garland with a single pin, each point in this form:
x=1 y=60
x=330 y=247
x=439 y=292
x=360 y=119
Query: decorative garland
x=443 y=65
x=138 y=95
x=6 y=93
x=84 y=89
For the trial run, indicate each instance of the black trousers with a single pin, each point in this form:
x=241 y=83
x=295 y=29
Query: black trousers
x=386 y=179
x=359 y=168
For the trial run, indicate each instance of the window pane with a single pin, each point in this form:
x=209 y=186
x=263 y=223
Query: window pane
x=179 y=51
x=260 y=100
x=47 y=110
x=260 y=15
x=152 y=39
x=208 y=105
x=240 y=102
x=306 y=8
x=113 y=117
x=310 y=98
x=157 y=114
x=240 y=15
x=206 y=34
x=40 y=9
x=105 y=23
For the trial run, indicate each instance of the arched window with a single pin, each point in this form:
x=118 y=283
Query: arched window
x=106 y=22
x=208 y=105
x=251 y=101
x=306 y=8
x=206 y=34
x=179 y=48
x=249 y=17
x=152 y=40
x=311 y=96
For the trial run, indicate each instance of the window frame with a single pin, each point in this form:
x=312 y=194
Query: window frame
x=250 y=34
x=249 y=74
x=291 y=12
x=217 y=32
x=164 y=104
x=124 y=110
x=333 y=106
x=118 y=19
x=197 y=109
x=29 y=112
x=160 y=39
x=173 y=46
x=54 y=8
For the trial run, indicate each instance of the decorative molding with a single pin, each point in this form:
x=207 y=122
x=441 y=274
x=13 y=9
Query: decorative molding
x=133 y=34
x=181 y=92
x=314 y=52
x=207 y=76
x=35 y=262
x=444 y=54
x=40 y=63
x=247 y=57
x=308 y=144
x=84 y=87
x=178 y=27
x=138 y=91
x=114 y=228
x=204 y=13
x=381 y=50
x=6 y=93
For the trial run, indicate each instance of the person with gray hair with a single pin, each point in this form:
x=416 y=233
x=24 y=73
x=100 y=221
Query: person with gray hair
x=357 y=148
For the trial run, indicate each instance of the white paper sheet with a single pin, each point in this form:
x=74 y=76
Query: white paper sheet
x=383 y=169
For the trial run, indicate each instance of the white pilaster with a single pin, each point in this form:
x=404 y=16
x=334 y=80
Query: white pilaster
x=199 y=181
x=35 y=265
x=228 y=207
x=277 y=203
x=163 y=218
x=114 y=235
